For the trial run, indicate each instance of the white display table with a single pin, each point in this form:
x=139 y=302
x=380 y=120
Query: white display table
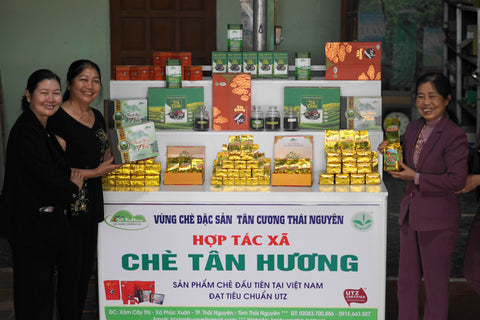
x=244 y=252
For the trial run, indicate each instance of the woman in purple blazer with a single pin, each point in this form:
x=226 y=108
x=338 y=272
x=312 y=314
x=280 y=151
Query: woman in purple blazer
x=435 y=169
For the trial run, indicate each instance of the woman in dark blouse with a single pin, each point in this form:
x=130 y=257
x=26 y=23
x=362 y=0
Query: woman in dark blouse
x=81 y=131
x=37 y=189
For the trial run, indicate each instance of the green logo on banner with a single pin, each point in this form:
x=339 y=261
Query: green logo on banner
x=125 y=220
x=362 y=221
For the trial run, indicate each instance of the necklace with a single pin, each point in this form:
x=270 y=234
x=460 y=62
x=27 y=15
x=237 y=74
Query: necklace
x=420 y=141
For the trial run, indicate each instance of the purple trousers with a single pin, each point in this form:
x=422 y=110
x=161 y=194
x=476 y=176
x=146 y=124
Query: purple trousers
x=471 y=264
x=427 y=254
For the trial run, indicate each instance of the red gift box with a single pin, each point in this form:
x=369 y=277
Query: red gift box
x=112 y=289
x=353 y=61
x=231 y=101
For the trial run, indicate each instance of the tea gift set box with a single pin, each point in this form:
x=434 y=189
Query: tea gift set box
x=353 y=61
x=133 y=143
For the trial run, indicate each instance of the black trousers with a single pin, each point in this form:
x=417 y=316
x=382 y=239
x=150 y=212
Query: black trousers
x=83 y=255
x=34 y=271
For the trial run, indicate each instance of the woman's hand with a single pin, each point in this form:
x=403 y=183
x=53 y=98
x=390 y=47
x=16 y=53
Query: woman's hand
x=381 y=146
x=107 y=166
x=473 y=181
x=77 y=177
x=406 y=174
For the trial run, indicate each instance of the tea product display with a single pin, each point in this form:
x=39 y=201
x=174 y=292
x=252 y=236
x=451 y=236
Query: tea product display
x=361 y=113
x=353 y=61
x=231 y=101
x=280 y=64
x=250 y=63
x=393 y=154
x=126 y=112
x=185 y=165
x=318 y=108
x=235 y=37
x=240 y=163
x=293 y=161
x=349 y=159
x=143 y=175
x=137 y=142
x=174 y=108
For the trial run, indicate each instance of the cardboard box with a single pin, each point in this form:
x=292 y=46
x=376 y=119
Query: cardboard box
x=159 y=73
x=280 y=64
x=250 y=63
x=353 y=60
x=174 y=108
x=184 y=57
x=319 y=108
x=193 y=73
x=121 y=73
x=160 y=58
x=126 y=112
x=188 y=178
x=265 y=64
x=286 y=147
x=361 y=113
x=219 y=62
x=231 y=101
x=133 y=143
x=133 y=74
x=151 y=72
x=298 y=179
x=235 y=62
x=143 y=72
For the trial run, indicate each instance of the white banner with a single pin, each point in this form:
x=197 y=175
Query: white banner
x=248 y=255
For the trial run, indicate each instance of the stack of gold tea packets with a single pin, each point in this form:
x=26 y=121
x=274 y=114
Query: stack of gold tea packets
x=141 y=175
x=349 y=159
x=240 y=164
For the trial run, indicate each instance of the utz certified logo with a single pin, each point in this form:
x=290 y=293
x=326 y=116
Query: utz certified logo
x=355 y=296
x=362 y=221
x=125 y=220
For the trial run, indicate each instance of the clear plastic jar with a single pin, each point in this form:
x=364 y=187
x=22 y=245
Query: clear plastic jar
x=272 y=119
x=202 y=120
x=290 y=119
x=257 y=119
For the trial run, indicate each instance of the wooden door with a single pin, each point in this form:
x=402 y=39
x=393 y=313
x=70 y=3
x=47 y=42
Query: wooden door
x=139 y=27
x=349 y=20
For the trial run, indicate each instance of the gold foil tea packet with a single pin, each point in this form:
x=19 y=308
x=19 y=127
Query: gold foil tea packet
x=392 y=157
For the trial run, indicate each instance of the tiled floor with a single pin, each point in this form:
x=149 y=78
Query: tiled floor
x=464 y=303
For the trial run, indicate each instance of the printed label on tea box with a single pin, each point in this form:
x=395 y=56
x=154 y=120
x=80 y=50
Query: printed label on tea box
x=175 y=109
x=311 y=110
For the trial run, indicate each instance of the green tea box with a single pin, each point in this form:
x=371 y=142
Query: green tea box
x=136 y=142
x=174 y=108
x=250 y=63
x=361 y=113
x=219 y=62
x=265 y=64
x=235 y=62
x=280 y=64
x=126 y=112
x=318 y=107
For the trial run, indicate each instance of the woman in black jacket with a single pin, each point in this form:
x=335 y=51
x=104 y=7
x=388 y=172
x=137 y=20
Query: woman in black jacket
x=37 y=188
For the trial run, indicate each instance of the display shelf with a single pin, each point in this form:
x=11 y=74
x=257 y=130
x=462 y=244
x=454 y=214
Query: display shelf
x=464 y=63
x=264 y=91
x=213 y=141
